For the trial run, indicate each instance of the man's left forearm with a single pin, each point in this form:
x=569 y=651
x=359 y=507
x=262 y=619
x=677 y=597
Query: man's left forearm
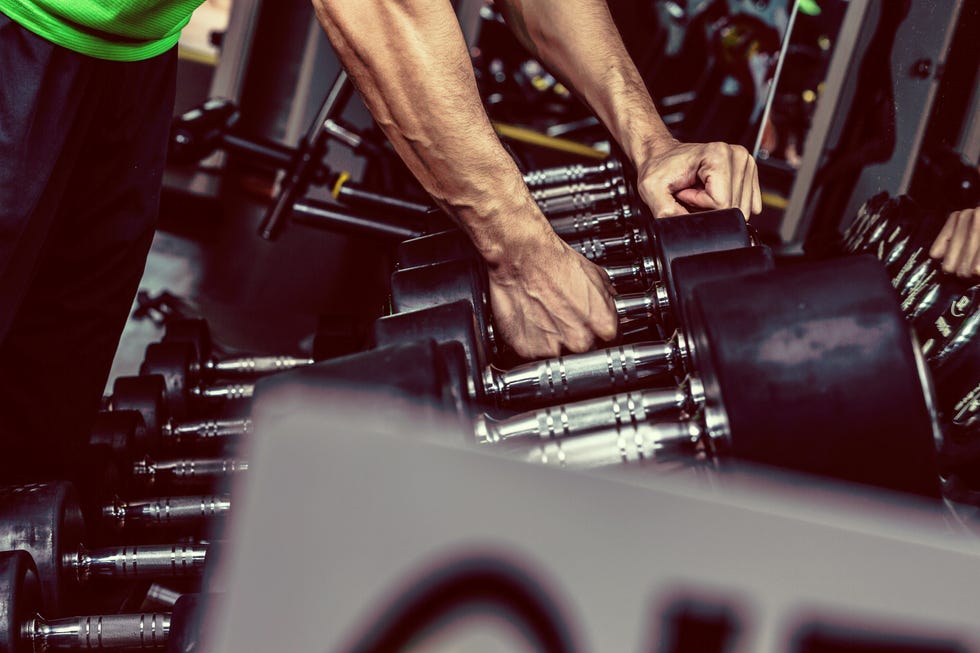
x=579 y=42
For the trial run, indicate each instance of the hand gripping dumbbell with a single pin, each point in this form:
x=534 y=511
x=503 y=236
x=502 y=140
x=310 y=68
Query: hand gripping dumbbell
x=159 y=431
x=45 y=520
x=23 y=630
x=810 y=368
x=576 y=376
x=426 y=286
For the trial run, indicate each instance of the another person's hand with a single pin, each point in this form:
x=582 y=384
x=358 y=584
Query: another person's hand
x=546 y=298
x=699 y=175
x=958 y=244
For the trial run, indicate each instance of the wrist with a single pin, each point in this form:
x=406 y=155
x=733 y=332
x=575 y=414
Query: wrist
x=518 y=240
x=651 y=147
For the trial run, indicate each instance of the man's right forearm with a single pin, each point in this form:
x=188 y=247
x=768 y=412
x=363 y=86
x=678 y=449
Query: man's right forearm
x=410 y=63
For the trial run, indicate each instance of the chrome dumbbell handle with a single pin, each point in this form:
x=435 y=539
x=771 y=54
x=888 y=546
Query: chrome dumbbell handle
x=649 y=305
x=567 y=378
x=229 y=391
x=160 y=595
x=108 y=631
x=139 y=561
x=628 y=244
x=166 y=512
x=621 y=411
x=206 y=429
x=590 y=223
x=641 y=273
x=256 y=365
x=648 y=442
x=188 y=469
x=570 y=174
x=577 y=198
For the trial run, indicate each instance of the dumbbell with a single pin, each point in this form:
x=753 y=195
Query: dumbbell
x=586 y=197
x=208 y=367
x=575 y=376
x=147 y=396
x=23 y=630
x=185 y=473
x=609 y=169
x=900 y=233
x=421 y=287
x=810 y=368
x=642 y=367
x=45 y=519
x=174 y=512
x=176 y=363
x=956 y=372
x=867 y=226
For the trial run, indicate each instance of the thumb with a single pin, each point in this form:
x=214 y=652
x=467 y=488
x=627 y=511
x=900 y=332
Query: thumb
x=698 y=197
x=662 y=203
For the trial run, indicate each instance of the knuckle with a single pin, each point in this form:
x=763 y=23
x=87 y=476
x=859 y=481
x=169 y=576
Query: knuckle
x=717 y=148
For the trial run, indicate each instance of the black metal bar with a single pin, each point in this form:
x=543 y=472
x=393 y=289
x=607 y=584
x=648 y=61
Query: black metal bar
x=307 y=157
x=324 y=216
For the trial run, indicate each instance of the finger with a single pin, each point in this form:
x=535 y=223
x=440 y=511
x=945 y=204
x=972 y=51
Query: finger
x=974 y=270
x=965 y=267
x=737 y=179
x=756 y=189
x=601 y=279
x=581 y=340
x=603 y=320
x=748 y=182
x=664 y=205
x=700 y=198
x=941 y=244
x=956 y=242
x=715 y=172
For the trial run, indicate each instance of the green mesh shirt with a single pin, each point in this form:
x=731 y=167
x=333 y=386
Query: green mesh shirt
x=121 y=30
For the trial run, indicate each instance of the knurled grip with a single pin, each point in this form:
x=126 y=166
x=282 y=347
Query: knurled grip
x=229 y=391
x=590 y=223
x=188 y=469
x=145 y=630
x=256 y=365
x=649 y=442
x=165 y=512
x=620 y=411
x=638 y=275
x=577 y=202
x=574 y=376
x=639 y=306
x=570 y=174
x=603 y=248
x=140 y=561
x=206 y=429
